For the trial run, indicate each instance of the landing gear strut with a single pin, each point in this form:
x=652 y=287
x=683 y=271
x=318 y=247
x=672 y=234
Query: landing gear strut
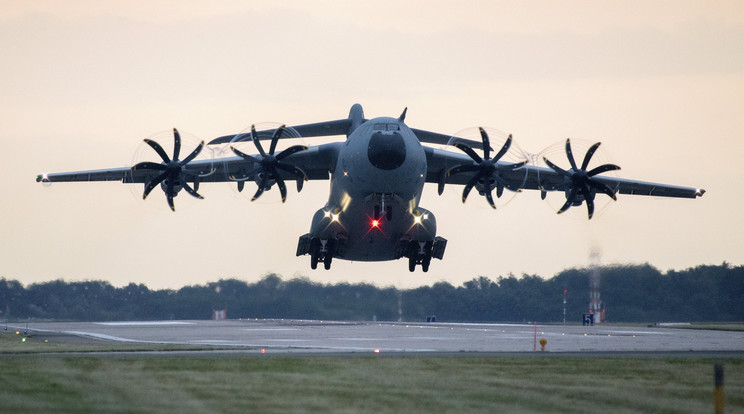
x=322 y=250
x=419 y=252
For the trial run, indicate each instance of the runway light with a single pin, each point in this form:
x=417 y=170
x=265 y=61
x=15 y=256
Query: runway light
x=377 y=351
x=263 y=350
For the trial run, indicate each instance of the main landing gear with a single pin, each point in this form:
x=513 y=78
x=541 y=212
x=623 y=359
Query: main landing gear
x=322 y=251
x=419 y=252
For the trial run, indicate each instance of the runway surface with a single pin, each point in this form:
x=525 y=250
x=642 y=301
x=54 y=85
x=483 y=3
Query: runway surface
x=347 y=337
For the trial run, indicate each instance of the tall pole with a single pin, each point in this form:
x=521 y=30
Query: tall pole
x=595 y=304
x=564 y=305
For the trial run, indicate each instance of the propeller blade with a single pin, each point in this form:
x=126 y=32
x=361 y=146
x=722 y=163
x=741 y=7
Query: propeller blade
x=503 y=149
x=602 y=169
x=188 y=188
x=452 y=171
x=517 y=165
x=300 y=183
x=170 y=202
x=464 y=148
x=569 y=201
x=293 y=170
x=261 y=188
x=158 y=149
x=489 y=197
x=442 y=179
x=256 y=142
x=462 y=168
x=169 y=195
x=589 y=155
x=176 y=144
x=469 y=186
x=569 y=154
x=245 y=156
x=603 y=188
x=275 y=138
x=499 y=190
x=556 y=168
x=154 y=183
x=289 y=151
x=149 y=166
x=193 y=154
x=486 y=142
x=241 y=185
x=280 y=183
x=589 y=198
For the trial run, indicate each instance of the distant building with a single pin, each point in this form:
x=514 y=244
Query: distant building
x=219 y=315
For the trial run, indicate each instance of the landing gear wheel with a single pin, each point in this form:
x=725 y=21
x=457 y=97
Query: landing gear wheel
x=425 y=263
x=314 y=253
x=327 y=262
x=328 y=257
x=412 y=264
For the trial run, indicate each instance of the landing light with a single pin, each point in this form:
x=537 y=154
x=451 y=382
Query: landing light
x=417 y=219
x=334 y=217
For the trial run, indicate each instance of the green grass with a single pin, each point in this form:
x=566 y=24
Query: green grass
x=375 y=384
x=33 y=381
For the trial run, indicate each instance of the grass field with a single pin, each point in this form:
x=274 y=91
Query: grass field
x=36 y=381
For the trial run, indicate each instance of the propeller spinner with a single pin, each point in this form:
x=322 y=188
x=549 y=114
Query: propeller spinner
x=581 y=184
x=486 y=169
x=173 y=176
x=269 y=164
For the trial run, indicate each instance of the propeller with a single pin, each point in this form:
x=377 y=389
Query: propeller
x=269 y=164
x=173 y=176
x=486 y=169
x=582 y=186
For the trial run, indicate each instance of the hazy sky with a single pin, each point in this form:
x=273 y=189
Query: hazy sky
x=660 y=83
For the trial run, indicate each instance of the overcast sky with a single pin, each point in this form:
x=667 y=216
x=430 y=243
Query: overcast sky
x=660 y=83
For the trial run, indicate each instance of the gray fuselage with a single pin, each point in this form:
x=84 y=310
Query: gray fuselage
x=375 y=191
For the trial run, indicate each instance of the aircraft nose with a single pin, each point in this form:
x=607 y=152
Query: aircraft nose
x=386 y=151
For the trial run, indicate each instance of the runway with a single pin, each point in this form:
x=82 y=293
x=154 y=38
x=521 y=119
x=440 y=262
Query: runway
x=291 y=336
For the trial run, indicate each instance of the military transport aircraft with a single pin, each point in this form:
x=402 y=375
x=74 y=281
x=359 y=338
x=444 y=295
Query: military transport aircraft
x=377 y=177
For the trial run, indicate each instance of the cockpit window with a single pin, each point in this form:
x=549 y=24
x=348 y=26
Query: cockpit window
x=387 y=127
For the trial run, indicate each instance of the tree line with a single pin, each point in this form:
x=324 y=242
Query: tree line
x=633 y=293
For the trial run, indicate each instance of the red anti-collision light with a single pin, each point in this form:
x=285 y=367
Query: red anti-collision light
x=376 y=223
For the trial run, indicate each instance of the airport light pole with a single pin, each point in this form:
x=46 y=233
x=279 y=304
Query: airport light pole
x=564 y=305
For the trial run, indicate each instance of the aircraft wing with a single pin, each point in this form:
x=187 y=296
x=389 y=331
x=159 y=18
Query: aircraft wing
x=530 y=177
x=316 y=162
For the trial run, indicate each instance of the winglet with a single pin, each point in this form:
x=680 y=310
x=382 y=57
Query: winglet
x=402 y=116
